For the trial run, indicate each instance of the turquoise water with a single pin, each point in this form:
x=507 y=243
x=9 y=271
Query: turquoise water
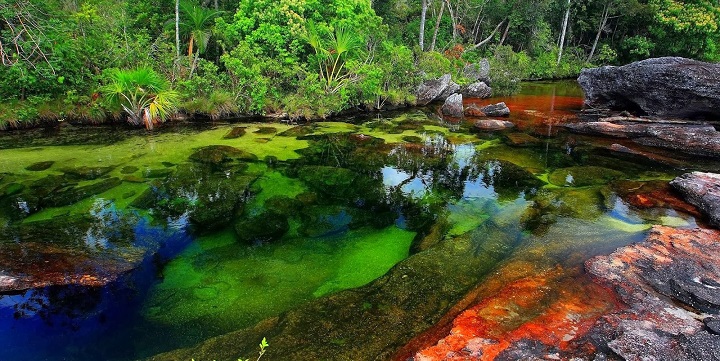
x=134 y=243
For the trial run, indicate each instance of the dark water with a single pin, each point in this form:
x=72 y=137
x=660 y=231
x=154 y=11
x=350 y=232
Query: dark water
x=198 y=234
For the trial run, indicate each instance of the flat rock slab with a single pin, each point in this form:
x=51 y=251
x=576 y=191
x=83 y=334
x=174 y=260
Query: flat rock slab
x=493 y=124
x=665 y=87
x=667 y=282
x=703 y=191
x=696 y=139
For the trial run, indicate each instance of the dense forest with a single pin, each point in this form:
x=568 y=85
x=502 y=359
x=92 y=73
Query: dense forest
x=144 y=60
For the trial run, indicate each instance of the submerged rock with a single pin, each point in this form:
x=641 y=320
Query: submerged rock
x=666 y=87
x=67 y=251
x=430 y=90
x=701 y=190
x=263 y=227
x=217 y=155
x=75 y=194
x=582 y=176
x=453 y=106
x=87 y=173
x=473 y=110
x=39 y=166
x=266 y=130
x=235 y=132
x=477 y=90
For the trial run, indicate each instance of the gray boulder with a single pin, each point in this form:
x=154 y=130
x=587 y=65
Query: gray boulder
x=493 y=124
x=453 y=106
x=496 y=110
x=451 y=89
x=477 y=90
x=665 y=87
x=479 y=71
x=701 y=190
x=432 y=89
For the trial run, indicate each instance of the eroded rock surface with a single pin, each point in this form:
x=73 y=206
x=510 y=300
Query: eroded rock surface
x=432 y=89
x=667 y=282
x=666 y=87
x=703 y=191
x=477 y=90
x=453 y=106
x=696 y=139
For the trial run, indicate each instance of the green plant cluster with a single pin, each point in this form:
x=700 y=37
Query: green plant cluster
x=314 y=58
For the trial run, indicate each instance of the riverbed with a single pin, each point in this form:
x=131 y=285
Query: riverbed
x=357 y=239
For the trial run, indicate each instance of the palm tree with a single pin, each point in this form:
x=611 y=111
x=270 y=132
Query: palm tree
x=332 y=55
x=142 y=93
x=197 y=27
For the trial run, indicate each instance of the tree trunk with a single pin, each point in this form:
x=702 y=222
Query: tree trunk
x=177 y=29
x=505 y=33
x=452 y=18
x=423 y=14
x=486 y=39
x=606 y=11
x=564 y=30
x=437 y=26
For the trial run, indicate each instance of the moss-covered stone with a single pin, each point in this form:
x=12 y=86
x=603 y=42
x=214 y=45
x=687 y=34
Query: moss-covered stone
x=263 y=227
x=320 y=177
x=129 y=169
x=320 y=221
x=507 y=179
x=412 y=139
x=76 y=194
x=157 y=173
x=40 y=166
x=87 y=173
x=235 y=132
x=582 y=176
x=217 y=155
x=266 y=130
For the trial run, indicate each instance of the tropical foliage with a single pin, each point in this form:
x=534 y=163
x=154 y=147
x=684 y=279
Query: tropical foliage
x=314 y=58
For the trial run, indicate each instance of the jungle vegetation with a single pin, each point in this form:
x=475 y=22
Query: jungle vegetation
x=143 y=60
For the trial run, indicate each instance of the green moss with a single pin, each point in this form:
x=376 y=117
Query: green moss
x=584 y=176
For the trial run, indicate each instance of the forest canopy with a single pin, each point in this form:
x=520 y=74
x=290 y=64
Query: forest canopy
x=315 y=58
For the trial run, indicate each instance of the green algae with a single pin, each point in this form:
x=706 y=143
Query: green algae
x=217 y=281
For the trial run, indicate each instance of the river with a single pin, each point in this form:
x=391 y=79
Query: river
x=361 y=239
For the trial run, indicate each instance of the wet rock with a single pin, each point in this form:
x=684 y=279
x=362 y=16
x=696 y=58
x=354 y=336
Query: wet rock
x=129 y=169
x=493 y=124
x=655 y=278
x=712 y=324
x=76 y=194
x=477 y=90
x=235 y=132
x=266 y=130
x=651 y=194
x=133 y=179
x=283 y=205
x=146 y=200
x=320 y=177
x=453 y=106
x=430 y=90
x=496 y=110
x=264 y=227
x=217 y=155
x=634 y=153
x=39 y=166
x=157 y=173
x=701 y=190
x=87 y=173
x=451 y=89
x=697 y=139
x=522 y=140
x=508 y=179
x=412 y=139
x=479 y=71
x=666 y=87
x=473 y=110
x=582 y=176
x=67 y=251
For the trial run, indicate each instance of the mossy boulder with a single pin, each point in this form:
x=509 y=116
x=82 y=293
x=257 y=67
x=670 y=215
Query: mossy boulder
x=235 y=132
x=263 y=227
x=283 y=205
x=129 y=169
x=582 y=176
x=320 y=177
x=217 y=155
x=87 y=173
x=75 y=194
x=157 y=173
x=40 y=166
x=266 y=130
